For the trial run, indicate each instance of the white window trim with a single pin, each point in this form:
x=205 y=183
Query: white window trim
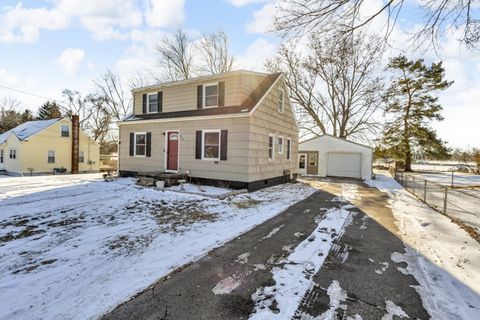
x=148 y=102
x=273 y=147
x=219 y=131
x=204 y=102
x=54 y=156
x=166 y=151
x=283 y=100
x=135 y=145
x=61 y=131
x=283 y=140
x=289 y=150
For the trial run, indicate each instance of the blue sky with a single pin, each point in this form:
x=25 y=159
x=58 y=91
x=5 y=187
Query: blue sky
x=47 y=46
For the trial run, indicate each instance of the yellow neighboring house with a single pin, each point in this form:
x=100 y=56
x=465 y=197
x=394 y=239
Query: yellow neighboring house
x=46 y=147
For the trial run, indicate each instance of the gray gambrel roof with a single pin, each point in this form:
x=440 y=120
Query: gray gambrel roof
x=27 y=129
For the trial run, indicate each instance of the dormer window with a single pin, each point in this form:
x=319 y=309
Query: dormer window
x=153 y=103
x=210 y=95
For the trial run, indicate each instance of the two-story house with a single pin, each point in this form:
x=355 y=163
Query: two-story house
x=236 y=129
x=46 y=147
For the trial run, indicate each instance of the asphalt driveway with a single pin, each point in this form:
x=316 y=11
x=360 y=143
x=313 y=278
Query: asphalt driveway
x=359 y=263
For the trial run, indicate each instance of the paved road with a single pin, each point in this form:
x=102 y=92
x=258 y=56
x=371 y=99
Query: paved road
x=357 y=261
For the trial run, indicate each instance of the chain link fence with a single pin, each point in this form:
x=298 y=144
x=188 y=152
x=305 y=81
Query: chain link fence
x=455 y=203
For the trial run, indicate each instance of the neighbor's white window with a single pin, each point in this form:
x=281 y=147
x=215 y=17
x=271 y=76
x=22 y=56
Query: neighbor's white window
x=211 y=144
x=81 y=157
x=65 y=130
x=280 y=100
x=1 y=156
x=280 y=145
x=140 y=144
x=13 y=154
x=271 y=146
x=51 y=156
x=289 y=148
x=210 y=95
x=152 y=102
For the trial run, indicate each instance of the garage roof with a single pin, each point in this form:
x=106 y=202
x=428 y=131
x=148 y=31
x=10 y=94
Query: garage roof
x=342 y=139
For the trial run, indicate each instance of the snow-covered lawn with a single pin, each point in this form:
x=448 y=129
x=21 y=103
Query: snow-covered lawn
x=73 y=247
x=443 y=258
x=445 y=178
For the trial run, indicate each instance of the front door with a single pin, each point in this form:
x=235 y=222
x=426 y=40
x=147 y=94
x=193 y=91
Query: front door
x=302 y=162
x=172 y=150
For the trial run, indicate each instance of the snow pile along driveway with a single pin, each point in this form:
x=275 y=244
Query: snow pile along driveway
x=443 y=258
x=74 y=247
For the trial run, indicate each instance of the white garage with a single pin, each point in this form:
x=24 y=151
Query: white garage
x=335 y=157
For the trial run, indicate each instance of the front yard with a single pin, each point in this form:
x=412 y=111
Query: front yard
x=73 y=247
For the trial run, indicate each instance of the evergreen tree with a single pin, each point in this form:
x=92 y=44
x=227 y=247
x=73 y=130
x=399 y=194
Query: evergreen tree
x=411 y=106
x=49 y=110
x=27 y=115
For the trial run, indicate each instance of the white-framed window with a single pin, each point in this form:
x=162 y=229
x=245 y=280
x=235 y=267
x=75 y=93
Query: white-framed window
x=81 y=157
x=280 y=100
x=152 y=103
x=65 y=130
x=271 y=146
x=280 y=145
x=289 y=148
x=211 y=144
x=140 y=147
x=1 y=155
x=51 y=156
x=13 y=154
x=210 y=95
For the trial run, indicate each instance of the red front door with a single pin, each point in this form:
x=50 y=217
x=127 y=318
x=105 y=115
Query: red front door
x=172 y=151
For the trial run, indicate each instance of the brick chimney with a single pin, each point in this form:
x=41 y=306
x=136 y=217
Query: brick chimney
x=75 y=143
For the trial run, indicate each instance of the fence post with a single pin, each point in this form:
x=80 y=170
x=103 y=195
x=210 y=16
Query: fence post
x=445 y=201
x=425 y=191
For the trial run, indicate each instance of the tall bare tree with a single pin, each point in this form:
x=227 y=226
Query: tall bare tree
x=99 y=124
x=77 y=104
x=117 y=102
x=176 y=56
x=334 y=86
x=298 y=17
x=213 y=48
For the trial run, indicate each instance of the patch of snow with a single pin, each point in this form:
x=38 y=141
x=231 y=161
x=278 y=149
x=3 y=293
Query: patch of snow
x=89 y=245
x=384 y=267
x=393 y=310
x=337 y=295
x=273 y=232
x=243 y=258
x=228 y=284
x=200 y=189
x=443 y=258
x=295 y=277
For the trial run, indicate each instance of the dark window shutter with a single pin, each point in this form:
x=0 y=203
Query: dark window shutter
x=148 y=152
x=160 y=101
x=223 y=144
x=200 y=97
x=132 y=143
x=144 y=103
x=221 y=94
x=198 y=145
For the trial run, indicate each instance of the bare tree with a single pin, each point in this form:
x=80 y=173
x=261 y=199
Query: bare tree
x=117 y=102
x=76 y=104
x=176 y=56
x=298 y=17
x=99 y=124
x=334 y=87
x=213 y=48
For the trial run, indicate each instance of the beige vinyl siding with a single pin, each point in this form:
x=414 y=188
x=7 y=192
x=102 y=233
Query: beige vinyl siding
x=11 y=165
x=238 y=87
x=265 y=120
x=234 y=168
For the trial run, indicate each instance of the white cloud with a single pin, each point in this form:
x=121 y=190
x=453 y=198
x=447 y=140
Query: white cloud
x=19 y=24
x=256 y=55
x=263 y=19
x=165 y=13
x=70 y=60
x=242 y=3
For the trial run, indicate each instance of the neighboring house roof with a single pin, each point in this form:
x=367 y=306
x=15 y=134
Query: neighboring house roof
x=342 y=139
x=27 y=129
x=245 y=107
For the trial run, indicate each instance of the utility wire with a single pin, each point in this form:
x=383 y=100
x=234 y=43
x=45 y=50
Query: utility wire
x=29 y=93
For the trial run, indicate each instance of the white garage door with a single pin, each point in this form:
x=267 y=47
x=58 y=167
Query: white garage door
x=344 y=165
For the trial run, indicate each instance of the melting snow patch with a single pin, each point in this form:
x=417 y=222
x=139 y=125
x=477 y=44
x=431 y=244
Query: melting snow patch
x=228 y=284
x=393 y=310
x=383 y=268
x=243 y=258
x=273 y=232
